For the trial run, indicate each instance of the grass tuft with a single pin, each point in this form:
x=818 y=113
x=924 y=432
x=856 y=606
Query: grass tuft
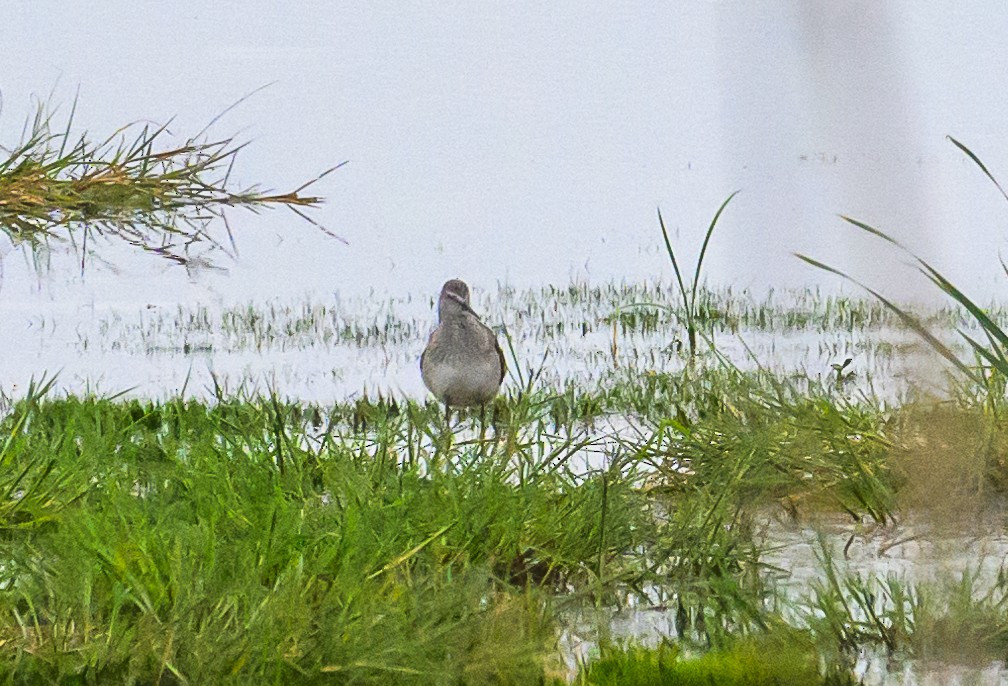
x=136 y=186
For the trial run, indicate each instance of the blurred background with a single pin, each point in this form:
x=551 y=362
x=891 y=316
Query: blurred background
x=527 y=144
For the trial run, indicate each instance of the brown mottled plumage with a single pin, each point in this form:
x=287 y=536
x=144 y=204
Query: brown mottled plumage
x=462 y=365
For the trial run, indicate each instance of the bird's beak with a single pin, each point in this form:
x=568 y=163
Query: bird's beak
x=460 y=300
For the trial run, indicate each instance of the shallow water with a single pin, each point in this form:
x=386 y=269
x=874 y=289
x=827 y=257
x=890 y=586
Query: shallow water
x=326 y=352
x=914 y=550
x=333 y=350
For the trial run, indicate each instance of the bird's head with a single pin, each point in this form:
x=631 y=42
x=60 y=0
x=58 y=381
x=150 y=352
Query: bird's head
x=454 y=299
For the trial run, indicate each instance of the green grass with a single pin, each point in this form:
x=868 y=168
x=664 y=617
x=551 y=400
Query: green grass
x=175 y=547
x=691 y=315
x=957 y=620
x=138 y=186
x=255 y=540
x=789 y=658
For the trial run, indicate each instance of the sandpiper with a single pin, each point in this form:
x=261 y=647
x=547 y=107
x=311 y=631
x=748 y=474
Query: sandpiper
x=462 y=365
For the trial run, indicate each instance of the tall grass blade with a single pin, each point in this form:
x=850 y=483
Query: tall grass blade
x=703 y=249
x=911 y=321
x=983 y=167
x=997 y=337
x=671 y=254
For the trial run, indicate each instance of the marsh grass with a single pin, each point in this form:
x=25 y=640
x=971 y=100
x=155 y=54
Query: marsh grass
x=137 y=186
x=557 y=318
x=691 y=316
x=755 y=437
x=691 y=312
x=960 y=620
x=259 y=539
x=989 y=347
x=186 y=553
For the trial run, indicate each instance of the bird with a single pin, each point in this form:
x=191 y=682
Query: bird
x=463 y=364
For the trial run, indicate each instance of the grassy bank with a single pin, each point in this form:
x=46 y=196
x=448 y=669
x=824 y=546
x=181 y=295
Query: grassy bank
x=255 y=540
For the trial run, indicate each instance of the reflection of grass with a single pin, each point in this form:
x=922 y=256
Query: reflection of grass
x=135 y=186
x=962 y=620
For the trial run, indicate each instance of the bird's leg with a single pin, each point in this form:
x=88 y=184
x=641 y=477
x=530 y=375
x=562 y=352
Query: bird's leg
x=482 y=421
x=446 y=434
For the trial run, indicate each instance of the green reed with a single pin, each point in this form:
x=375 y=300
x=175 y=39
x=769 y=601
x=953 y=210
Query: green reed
x=138 y=186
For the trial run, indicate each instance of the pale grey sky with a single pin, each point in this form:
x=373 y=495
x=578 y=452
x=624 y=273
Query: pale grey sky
x=528 y=143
